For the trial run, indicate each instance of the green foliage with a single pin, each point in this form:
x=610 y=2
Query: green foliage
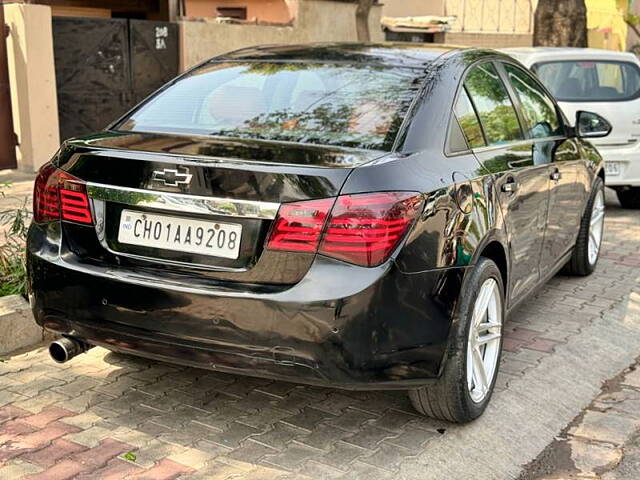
x=260 y=68
x=500 y=124
x=634 y=23
x=471 y=128
x=130 y=456
x=632 y=19
x=493 y=105
x=484 y=81
x=13 y=272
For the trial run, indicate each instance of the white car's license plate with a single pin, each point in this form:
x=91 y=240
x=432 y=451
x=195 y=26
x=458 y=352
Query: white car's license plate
x=216 y=239
x=612 y=168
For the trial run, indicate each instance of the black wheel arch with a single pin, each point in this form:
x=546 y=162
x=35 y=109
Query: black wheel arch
x=494 y=246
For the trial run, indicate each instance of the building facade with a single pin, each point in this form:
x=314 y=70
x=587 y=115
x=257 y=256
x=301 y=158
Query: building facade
x=509 y=23
x=268 y=11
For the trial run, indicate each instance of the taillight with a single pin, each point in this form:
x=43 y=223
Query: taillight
x=60 y=196
x=298 y=226
x=363 y=229
x=46 y=201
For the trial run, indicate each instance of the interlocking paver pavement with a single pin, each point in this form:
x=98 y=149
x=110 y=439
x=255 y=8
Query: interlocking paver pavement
x=602 y=442
x=82 y=418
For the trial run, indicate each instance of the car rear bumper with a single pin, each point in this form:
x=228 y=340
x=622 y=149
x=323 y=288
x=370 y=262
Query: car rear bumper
x=342 y=325
x=628 y=167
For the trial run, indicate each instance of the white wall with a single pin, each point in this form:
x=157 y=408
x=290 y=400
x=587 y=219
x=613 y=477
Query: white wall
x=412 y=8
x=32 y=80
x=316 y=21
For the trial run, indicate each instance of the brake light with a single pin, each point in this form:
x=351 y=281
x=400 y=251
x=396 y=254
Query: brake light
x=299 y=225
x=363 y=229
x=60 y=196
x=46 y=201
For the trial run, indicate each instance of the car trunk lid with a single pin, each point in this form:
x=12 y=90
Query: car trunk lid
x=218 y=185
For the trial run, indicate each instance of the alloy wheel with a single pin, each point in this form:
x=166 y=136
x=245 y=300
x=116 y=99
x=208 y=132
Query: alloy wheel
x=483 y=345
x=596 y=226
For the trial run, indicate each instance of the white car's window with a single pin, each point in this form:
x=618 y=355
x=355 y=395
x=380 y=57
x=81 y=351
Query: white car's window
x=593 y=81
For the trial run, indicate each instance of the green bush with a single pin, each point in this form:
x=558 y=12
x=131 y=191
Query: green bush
x=13 y=271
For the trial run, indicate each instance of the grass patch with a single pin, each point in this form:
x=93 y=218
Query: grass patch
x=13 y=269
x=130 y=456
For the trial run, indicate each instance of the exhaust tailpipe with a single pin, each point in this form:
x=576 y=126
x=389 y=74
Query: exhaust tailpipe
x=66 y=348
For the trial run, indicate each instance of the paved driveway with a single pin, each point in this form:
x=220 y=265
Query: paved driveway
x=105 y=415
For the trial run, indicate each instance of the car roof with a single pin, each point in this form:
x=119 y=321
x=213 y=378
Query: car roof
x=414 y=55
x=530 y=55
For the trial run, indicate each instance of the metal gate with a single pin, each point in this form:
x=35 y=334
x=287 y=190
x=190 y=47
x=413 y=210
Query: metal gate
x=106 y=66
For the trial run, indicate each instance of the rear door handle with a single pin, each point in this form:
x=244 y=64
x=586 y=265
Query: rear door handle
x=556 y=175
x=509 y=186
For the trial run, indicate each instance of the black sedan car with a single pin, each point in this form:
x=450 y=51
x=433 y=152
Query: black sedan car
x=349 y=215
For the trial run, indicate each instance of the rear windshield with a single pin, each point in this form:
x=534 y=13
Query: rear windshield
x=332 y=104
x=590 y=81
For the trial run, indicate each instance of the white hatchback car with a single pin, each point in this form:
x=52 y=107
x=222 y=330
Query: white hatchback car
x=604 y=82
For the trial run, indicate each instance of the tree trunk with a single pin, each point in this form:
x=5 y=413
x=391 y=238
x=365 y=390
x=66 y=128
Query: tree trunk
x=362 y=20
x=560 y=23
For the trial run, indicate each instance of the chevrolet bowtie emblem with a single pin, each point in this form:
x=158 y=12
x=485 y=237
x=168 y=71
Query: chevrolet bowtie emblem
x=172 y=177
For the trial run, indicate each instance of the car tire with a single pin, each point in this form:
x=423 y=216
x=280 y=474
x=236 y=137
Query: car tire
x=454 y=397
x=629 y=197
x=584 y=260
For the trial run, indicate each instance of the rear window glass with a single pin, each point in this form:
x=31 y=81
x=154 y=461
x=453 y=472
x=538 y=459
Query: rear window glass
x=333 y=104
x=590 y=81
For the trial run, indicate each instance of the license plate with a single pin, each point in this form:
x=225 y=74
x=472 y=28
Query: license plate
x=612 y=168
x=179 y=234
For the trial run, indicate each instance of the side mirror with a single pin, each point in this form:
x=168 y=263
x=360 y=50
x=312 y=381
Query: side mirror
x=591 y=125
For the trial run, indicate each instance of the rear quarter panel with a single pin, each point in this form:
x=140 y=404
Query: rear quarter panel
x=460 y=212
x=459 y=215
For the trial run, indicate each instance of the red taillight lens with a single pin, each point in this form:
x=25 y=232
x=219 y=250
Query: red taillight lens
x=365 y=229
x=60 y=196
x=299 y=225
x=75 y=206
x=46 y=200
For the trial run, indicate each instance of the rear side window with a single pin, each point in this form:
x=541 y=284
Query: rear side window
x=468 y=121
x=355 y=105
x=539 y=110
x=491 y=100
x=590 y=81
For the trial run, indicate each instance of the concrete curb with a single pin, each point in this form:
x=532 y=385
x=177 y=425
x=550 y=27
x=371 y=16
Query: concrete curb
x=18 y=329
x=524 y=419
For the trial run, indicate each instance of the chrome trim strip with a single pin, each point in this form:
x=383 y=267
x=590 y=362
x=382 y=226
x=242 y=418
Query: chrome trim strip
x=177 y=202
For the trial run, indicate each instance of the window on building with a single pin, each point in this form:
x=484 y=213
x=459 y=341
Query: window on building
x=233 y=12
